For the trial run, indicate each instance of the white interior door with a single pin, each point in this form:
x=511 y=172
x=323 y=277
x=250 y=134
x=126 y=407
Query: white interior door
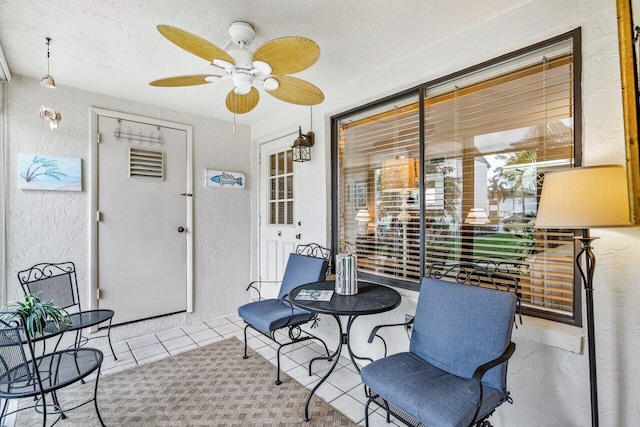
x=142 y=228
x=280 y=228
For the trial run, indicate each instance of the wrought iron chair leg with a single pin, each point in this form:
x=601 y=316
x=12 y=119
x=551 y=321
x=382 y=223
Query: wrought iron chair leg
x=278 y=382
x=44 y=411
x=95 y=398
x=109 y=339
x=245 y=342
x=366 y=411
x=5 y=406
x=386 y=407
x=56 y=404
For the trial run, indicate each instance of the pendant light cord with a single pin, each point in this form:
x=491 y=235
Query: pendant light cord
x=48 y=54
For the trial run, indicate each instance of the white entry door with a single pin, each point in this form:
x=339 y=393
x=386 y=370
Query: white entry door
x=280 y=229
x=142 y=226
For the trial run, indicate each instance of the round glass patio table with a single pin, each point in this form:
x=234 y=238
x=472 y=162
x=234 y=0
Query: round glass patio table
x=370 y=299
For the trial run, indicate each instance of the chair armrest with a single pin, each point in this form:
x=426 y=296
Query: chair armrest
x=251 y=285
x=375 y=330
x=482 y=369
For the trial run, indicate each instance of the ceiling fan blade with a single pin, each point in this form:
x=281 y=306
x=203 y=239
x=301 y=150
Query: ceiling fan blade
x=241 y=104
x=296 y=91
x=192 y=80
x=288 y=55
x=194 y=44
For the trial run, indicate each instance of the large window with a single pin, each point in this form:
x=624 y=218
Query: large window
x=452 y=172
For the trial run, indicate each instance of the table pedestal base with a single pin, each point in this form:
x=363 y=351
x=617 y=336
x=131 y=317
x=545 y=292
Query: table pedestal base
x=335 y=356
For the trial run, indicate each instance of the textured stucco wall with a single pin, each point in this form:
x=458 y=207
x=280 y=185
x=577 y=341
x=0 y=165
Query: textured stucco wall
x=548 y=375
x=54 y=226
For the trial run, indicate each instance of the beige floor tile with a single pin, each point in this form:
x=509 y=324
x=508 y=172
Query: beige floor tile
x=147 y=351
x=170 y=334
x=196 y=327
x=143 y=341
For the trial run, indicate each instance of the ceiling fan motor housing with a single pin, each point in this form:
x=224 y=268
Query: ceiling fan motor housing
x=243 y=58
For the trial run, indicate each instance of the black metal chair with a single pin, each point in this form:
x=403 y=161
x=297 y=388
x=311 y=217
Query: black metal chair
x=307 y=265
x=455 y=371
x=58 y=282
x=22 y=374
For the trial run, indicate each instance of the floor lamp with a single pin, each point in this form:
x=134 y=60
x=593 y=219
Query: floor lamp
x=584 y=198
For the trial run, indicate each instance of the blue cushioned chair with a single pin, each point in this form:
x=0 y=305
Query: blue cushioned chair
x=455 y=371
x=307 y=265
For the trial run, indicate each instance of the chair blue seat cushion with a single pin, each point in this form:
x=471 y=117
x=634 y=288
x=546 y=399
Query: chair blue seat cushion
x=272 y=314
x=431 y=395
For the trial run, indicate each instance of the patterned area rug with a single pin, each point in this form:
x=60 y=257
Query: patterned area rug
x=209 y=386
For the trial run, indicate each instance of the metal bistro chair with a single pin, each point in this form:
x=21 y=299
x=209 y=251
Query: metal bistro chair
x=307 y=265
x=22 y=374
x=455 y=371
x=58 y=282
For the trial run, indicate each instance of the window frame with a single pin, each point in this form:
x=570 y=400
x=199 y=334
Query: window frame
x=420 y=90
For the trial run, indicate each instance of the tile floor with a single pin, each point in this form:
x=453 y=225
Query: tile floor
x=343 y=389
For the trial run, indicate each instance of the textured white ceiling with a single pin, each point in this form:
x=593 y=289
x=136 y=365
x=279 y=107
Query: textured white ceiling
x=113 y=47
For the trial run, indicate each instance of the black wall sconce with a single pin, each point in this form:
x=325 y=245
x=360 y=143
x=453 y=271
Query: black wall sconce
x=302 y=146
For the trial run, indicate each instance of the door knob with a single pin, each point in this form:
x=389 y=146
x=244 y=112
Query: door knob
x=181 y=229
x=298 y=236
x=279 y=233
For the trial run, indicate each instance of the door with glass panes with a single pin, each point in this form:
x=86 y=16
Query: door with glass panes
x=280 y=231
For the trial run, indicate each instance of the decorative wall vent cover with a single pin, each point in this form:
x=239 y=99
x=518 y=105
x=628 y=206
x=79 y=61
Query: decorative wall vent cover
x=146 y=164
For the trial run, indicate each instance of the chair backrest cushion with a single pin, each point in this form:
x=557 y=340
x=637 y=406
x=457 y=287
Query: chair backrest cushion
x=459 y=327
x=302 y=269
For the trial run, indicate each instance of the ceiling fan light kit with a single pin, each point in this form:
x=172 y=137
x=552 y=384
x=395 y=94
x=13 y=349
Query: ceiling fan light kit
x=267 y=67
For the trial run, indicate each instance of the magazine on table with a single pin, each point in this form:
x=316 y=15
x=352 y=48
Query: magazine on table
x=314 y=295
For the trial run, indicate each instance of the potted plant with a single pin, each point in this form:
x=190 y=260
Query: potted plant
x=36 y=313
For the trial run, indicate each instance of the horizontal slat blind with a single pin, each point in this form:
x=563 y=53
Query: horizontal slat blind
x=488 y=146
x=489 y=139
x=379 y=166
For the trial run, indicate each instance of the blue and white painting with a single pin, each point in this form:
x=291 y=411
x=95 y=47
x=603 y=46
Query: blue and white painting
x=223 y=179
x=53 y=173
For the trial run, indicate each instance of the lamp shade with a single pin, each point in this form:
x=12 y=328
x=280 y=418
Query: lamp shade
x=477 y=216
x=363 y=219
x=48 y=82
x=363 y=215
x=586 y=197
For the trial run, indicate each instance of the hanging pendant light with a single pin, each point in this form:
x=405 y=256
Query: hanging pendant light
x=47 y=81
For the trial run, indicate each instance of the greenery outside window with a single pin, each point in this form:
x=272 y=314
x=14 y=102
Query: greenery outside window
x=452 y=171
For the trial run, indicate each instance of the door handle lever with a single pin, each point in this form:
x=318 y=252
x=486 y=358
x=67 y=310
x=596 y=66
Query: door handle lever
x=187 y=194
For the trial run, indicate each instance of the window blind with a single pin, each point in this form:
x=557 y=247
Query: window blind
x=489 y=145
x=379 y=158
x=489 y=137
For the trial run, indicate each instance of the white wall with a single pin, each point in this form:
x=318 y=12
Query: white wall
x=54 y=226
x=548 y=375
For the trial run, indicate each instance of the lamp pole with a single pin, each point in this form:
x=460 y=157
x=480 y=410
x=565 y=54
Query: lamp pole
x=586 y=273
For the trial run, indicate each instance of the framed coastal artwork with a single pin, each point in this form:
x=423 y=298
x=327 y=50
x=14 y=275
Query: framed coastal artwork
x=223 y=179
x=50 y=173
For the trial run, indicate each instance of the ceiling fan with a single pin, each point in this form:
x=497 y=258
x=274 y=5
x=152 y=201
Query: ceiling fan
x=269 y=66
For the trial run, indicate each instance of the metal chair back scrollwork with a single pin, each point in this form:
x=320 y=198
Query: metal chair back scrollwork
x=58 y=282
x=478 y=275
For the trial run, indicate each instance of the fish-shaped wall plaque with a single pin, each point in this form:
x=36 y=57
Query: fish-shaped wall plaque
x=223 y=179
